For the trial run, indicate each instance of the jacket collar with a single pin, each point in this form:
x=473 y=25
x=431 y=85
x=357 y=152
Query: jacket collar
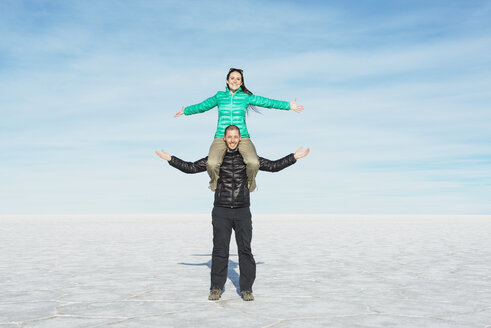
x=228 y=90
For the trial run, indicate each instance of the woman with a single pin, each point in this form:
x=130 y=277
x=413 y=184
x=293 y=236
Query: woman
x=233 y=104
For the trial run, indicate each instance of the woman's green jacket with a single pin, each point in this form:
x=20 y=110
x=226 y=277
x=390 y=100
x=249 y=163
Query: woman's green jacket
x=232 y=109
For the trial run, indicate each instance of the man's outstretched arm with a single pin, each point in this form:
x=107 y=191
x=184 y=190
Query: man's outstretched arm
x=278 y=165
x=186 y=167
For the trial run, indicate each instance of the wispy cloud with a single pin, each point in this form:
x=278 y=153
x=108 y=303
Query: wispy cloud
x=396 y=95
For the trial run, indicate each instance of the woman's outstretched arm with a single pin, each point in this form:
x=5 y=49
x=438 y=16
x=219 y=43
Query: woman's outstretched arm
x=198 y=108
x=272 y=103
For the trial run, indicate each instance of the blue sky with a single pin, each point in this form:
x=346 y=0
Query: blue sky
x=397 y=103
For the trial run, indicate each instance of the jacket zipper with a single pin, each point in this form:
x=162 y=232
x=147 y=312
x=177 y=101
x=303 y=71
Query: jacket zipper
x=231 y=106
x=233 y=180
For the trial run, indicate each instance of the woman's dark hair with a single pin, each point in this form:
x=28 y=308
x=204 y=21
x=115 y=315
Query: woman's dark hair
x=243 y=87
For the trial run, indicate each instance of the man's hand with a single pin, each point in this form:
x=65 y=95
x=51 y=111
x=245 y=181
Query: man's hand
x=296 y=107
x=165 y=155
x=301 y=153
x=179 y=113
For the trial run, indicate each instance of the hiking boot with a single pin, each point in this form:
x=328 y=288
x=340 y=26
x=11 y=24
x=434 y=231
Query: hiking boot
x=247 y=295
x=215 y=294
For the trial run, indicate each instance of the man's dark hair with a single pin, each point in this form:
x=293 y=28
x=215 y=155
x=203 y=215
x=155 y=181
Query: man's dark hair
x=231 y=127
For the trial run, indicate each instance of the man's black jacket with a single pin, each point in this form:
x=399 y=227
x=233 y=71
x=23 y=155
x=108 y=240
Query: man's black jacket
x=232 y=188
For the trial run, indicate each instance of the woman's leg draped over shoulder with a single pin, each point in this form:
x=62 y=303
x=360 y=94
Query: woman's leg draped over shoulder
x=215 y=158
x=248 y=152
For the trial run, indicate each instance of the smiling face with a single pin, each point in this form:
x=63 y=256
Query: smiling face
x=234 y=81
x=232 y=138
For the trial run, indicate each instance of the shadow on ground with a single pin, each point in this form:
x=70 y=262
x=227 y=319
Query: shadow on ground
x=232 y=273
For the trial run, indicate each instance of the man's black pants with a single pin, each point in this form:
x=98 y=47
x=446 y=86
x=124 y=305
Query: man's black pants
x=224 y=220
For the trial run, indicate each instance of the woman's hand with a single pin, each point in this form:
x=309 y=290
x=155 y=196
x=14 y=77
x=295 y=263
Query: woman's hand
x=301 y=153
x=165 y=155
x=296 y=107
x=179 y=113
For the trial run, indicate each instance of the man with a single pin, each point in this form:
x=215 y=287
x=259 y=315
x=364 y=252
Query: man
x=231 y=210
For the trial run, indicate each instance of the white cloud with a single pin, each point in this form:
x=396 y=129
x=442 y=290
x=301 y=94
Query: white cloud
x=87 y=99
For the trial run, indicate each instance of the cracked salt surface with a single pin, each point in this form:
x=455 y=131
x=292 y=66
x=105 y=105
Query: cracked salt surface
x=313 y=271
